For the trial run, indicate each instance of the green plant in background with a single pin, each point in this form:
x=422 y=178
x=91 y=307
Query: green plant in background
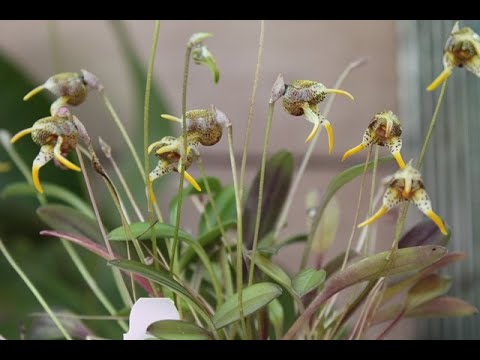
x=224 y=280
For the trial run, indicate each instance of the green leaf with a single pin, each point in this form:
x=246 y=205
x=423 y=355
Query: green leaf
x=141 y=231
x=205 y=241
x=67 y=219
x=276 y=317
x=403 y=284
x=163 y=278
x=308 y=280
x=327 y=229
x=376 y=266
x=254 y=298
x=426 y=289
x=278 y=177
x=336 y=263
x=274 y=271
x=226 y=207
x=215 y=187
x=445 y=306
x=267 y=249
x=178 y=330
x=336 y=184
x=51 y=190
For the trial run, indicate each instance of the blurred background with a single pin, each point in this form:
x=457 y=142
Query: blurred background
x=403 y=57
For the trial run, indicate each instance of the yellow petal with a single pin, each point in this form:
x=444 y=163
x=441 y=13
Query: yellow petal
x=353 y=151
x=313 y=132
x=35 y=178
x=58 y=155
x=192 y=181
x=171 y=118
x=382 y=211
x=440 y=79
x=33 y=92
x=151 y=194
x=340 y=92
x=20 y=134
x=329 y=129
x=399 y=159
x=152 y=145
x=438 y=221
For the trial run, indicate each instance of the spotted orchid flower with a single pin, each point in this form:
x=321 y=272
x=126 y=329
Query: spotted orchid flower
x=383 y=130
x=407 y=185
x=70 y=88
x=302 y=97
x=169 y=161
x=461 y=50
x=56 y=135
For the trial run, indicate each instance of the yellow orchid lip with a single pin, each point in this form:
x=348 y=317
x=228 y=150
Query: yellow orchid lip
x=399 y=159
x=20 y=134
x=438 y=221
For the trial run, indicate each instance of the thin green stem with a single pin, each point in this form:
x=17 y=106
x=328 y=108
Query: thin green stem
x=126 y=189
x=403 y=215
x=370 y=201
x=146 y=120
x=238 y=203
x=271 y=108
x=299 y=175
x=252 y=107
x=357 y=210
x=186 y=69
x=214 y=206
x=123 y=131
x=34 y=290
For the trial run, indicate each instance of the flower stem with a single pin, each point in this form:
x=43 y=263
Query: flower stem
x=271 y=108
x=403 y=215
x=252 y=106
x=299 y=175
x=124 y=132
x=186 y=69
x=34 y=290
x=238 y=202
x=146 y=119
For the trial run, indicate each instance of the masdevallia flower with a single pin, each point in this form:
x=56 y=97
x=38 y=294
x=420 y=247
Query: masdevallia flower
x=461 y=50
x=57 y=136
x=70 y=88
x=407 y=185
x=384 y=130
x=204 y=127
x=302 y=97
x=169 y=161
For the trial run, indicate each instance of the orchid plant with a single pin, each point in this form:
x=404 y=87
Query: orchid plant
x=223 y=282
